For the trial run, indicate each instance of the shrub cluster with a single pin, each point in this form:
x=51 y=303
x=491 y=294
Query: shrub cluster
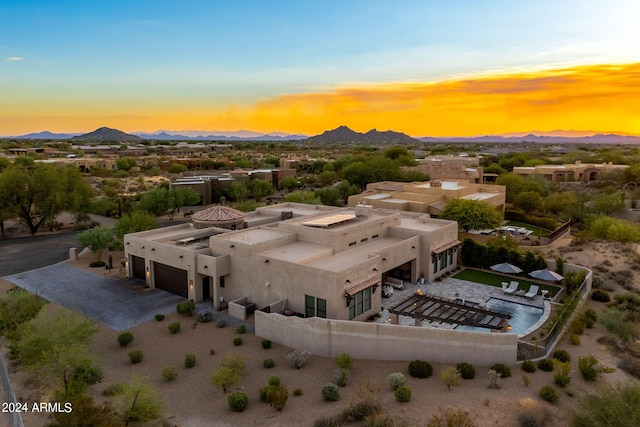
x=545 y=365
x=403 y=394
x=502 y=369
x=562 y=355
x=174 y=327
x=420 y=369
x=221 y=323
x=600 y=296
x=528 y=366
x=396 y=380
x=266 y=344
x=87 y=373
x=205 y=316
x=187 y=308
x=135 y=356
x=467 y=371
x=170 y=373
x=238 y=401
x=330 y=392
x=190 y=361
x=240 y=329
x=237 y=341
x=125 y=338
x=268 y=363
x=297 y=358
x=159 y=317
x=589 y=370
x=549 y=393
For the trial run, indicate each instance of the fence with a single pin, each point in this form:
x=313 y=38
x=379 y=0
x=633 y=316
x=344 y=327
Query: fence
x=541 y=348
x=16 y=418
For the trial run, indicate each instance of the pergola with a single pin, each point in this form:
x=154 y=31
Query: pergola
x=436 y=309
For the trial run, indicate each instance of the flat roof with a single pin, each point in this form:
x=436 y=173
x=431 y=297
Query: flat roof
x=254 y=235
x=328 y=221
x=297 y=252
x=348 y=258
x=479 y=196
x=377 y=196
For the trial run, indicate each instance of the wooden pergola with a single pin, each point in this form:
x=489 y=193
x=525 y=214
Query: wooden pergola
x=437 y=309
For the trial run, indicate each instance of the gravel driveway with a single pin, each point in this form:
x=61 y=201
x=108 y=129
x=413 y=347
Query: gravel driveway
x=111 y=302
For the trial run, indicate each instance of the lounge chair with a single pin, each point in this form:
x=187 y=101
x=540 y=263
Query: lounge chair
x=533 y=291
x=513 y=286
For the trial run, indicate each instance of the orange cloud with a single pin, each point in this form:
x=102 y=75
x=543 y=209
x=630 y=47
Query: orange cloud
x=585 y=97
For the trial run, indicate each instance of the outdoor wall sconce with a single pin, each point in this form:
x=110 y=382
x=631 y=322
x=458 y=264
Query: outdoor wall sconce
x=181 y=256
x=348 y=281
x=374 y=287
x=190 y=284
x=349 y=298
x=148 y=272
x=375 y=269
x=266 y=261
x=153 y=249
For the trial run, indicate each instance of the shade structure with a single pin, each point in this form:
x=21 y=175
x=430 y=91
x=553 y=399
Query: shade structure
x=546 y=274
x=505 y=267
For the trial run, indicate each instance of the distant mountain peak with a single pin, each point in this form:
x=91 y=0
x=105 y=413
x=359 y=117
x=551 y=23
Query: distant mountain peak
x=107 y=134
x=345 y=134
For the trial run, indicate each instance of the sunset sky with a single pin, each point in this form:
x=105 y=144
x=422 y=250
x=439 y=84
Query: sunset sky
x=425 y=68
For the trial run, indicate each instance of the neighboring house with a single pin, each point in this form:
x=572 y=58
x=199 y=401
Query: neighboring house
x=450 y=167
x=577 y=172
x=428 y=197
x=321 y=261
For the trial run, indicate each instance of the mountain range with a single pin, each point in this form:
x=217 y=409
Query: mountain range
x=344 y=134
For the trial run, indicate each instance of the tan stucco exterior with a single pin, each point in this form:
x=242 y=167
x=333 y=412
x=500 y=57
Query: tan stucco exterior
x=577 y=172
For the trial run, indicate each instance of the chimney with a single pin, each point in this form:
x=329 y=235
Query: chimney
x=363 y=210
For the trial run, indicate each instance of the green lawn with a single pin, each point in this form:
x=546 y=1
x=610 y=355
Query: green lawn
x=537 y=231
x=494 y=279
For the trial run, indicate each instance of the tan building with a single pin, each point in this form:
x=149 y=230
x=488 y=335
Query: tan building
x=428 y=197
x=449 y=167
x=321 y=261
x=577 y=172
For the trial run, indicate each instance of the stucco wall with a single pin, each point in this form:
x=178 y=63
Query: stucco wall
x=376 y=341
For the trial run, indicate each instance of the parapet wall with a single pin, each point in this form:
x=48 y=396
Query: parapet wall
x=377 y=341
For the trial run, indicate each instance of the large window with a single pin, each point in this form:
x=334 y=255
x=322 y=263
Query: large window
x=315 y=307
x=360 y=303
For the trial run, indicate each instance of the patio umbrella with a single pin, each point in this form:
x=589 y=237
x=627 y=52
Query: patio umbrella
x=546 y=274
x=505 y=267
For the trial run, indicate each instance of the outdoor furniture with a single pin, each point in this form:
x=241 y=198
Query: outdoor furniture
x=545 y=294
x=513 y=286
x=533 y=291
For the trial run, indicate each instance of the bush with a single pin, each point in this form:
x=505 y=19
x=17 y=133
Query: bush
x=588 y=369
x=297 y=391
x=467 y=371
x=170 y=374
x=329 y=421
x=600 y=296
x=278 y=397
x=297 y=358
x=135 y=356
x=616 y=322
x=420 y=369
x=264 y=394
x=268 y=363
x=159 y=317
x=534 y=416
x=502 y=369
x=174 y=327
x=549 y=393
x=205 y=316
x=238 y=401
x=358 y=411
x=344 y=361
x=494 y=379
x=545 y=365
x=403 y=394
x=96 y=264
x=190 y=361
x=187 y=308
x=578 y=327
x=266 y=344
x=237 y=341
x=212 y=351
x=609 y=406
x=528 y=366
x=341 y=377
x=114 y=390
x=274 y=380
x=221 y=323
x=450 y=376
x=574 y=339
x=451 y=417
x=396 y=380
x=330 y=392
x=562 y=355
x=631 y=365
x=589 y=317
x=87 y=373
x=125 y=338
x=240 y=329
x=562 y=378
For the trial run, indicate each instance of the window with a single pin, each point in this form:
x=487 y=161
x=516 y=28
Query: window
x=375 y=236
x=315 y=307
x=360 y=303
x=434 y=261
x=364 y=240
x=443 y=260
x=352 y=243
x=450 y=251
x=222 y=281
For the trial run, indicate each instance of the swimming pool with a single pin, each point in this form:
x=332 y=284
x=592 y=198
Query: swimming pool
x=523 y=316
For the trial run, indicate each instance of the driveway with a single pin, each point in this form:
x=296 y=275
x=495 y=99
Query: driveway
x=110 y=302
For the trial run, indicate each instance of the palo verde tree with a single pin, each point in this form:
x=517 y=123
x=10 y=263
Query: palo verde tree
x=97 y=240
x=472 y=214
x=38 y=193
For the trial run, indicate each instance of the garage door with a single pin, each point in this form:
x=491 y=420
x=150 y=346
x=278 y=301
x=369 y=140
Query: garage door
x=171 y=279
x=138 y=267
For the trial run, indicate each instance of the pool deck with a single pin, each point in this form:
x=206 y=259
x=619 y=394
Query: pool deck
x=453 y=289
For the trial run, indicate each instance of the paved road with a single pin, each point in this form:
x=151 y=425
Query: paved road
x=111 y=302
x=27 y=253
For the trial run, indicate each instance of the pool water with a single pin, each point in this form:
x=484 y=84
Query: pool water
x=523 y=316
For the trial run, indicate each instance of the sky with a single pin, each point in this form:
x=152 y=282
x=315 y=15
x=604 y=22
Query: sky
x=422 y=67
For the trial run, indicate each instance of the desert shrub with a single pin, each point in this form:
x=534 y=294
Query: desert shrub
x=264 y=394
x=225 y=378
x=174 y=327
x=114 y=390
x=274 y=380
x=159 y=317
x=237 y=341
x=96 y=264
x=297 y=358
x=212 y=351
x=467 y=371
x=600 y=296
x=238 y=401
x=420 y=369
x=234 y=362
x=526 y=380
x=549 y=393
x=450 y=418
x=396 y=380
x=610 y=406
x=357 y=411
x=205 y=316
x=403 y=394
x=268 y=363
x=561 y=378
x=589 y=370
x=170 y=373
x=574 y=339
x=502 y=369
x=578 y=327
x=87 y=373
x=278 y=397
x=341 y=377
x=190 y=361
x=450 y=376
x=494 y=379
x=545 y=365
x=297 y=391
x=186 y=307
x=221 y=323
x=344 y=361
x=330 y=392
x=589 y=317
x=135 y=356
x=329 y=421
x=240 y=329
x=528 y=366
x=266 y=344
x=534 y=417
x=631 y=365
x=125 y=338
x=616 y=322
x=562 y=355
